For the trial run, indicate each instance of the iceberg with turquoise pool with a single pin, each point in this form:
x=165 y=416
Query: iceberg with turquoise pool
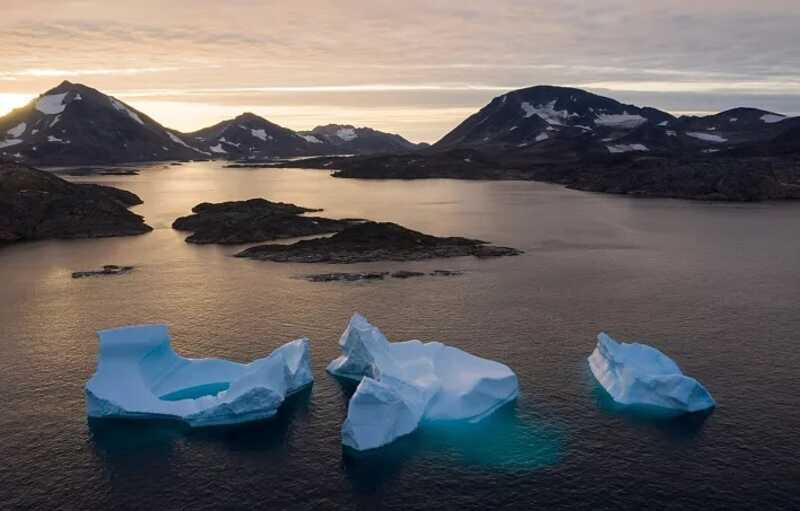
x=640 y=376
x=139 y=376
x=404 y=383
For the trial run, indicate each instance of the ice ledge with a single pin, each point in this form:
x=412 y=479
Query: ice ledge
x=139 y=376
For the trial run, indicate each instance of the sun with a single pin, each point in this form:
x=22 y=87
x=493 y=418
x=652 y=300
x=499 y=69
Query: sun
x=12 y=100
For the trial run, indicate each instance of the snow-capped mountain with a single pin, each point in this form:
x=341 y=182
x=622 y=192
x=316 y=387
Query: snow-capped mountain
x=537 y=114
x=249 y=136
x=75 y=124
x=560 y=121
x=347 y=139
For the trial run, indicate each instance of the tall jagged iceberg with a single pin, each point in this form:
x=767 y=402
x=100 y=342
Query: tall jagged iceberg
x=404 y=383
x=638 y=375
x=139 y=376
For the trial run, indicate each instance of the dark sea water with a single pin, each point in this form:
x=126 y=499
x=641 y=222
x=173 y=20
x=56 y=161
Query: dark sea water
x=715 y=286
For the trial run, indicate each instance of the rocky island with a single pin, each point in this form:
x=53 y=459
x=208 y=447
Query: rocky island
x=36 y=205
x=375 y=241
x=252 y=221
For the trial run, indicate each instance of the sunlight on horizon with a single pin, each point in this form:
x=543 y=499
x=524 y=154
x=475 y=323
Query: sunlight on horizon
x=11 y=100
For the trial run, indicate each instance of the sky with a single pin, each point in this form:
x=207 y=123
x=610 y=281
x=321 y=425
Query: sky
x=413 y=67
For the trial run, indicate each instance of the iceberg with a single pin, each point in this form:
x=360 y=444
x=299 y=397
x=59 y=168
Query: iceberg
x=638 y=375
x=405 y=383
x=139 y=376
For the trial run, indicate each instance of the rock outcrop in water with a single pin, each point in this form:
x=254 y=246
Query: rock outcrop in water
x=109 y=269
x=375 y=241
x=37 y=205
x=252 y=221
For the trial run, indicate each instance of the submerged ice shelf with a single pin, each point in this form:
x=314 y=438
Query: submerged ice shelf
x=638 y=375
x=139 y=376
x=403 y=383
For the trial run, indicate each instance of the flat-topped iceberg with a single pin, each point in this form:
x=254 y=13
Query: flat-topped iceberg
x=404 y=383
x=139 y=376
x=638 y=375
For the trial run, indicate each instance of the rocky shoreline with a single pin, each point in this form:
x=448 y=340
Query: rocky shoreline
x=707 y=177
x=37 y=205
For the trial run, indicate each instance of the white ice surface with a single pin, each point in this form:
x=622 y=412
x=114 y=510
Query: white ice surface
x=52 y=104
x=137 y=368
x=403 y=383
x=640 y=375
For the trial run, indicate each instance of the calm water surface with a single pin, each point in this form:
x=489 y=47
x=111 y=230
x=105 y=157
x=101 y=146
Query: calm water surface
x=716 y=286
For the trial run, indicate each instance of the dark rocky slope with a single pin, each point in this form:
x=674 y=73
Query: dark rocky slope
x=38 y=205
x=76 y=125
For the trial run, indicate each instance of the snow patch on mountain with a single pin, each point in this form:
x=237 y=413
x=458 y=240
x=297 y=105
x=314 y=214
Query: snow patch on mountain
x=625 y=148
x=541 y=137
x=262 y=134
x=623 y=120
x=311 y=139
x=772 y=118
x=122 y=108
x=10 y=142
x=707 y=137
x=218 y=149
x=52 y=104
x=347 y=134
x=547 y=112
x=18 y=130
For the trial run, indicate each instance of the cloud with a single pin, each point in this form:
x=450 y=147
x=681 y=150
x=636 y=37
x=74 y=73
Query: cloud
x=438 y=53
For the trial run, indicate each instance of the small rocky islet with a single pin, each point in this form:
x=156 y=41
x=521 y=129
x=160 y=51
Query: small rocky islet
x=375 y=241
x=108 y=269
x=353 y=240
x=253 y=221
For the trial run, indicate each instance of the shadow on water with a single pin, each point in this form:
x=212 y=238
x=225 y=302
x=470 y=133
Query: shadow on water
x=504 y=441
x=677 y=427
x=119 y=439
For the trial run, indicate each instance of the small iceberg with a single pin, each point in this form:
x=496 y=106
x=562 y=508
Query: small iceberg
x=403 y=383
x=638 y=375
x=139 y=376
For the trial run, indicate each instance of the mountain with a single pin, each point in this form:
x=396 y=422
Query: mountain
x=74 y=124
x=347 y=139
x=38 y=205
x=537 y=114
x=249 y=136
x=563 y=123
